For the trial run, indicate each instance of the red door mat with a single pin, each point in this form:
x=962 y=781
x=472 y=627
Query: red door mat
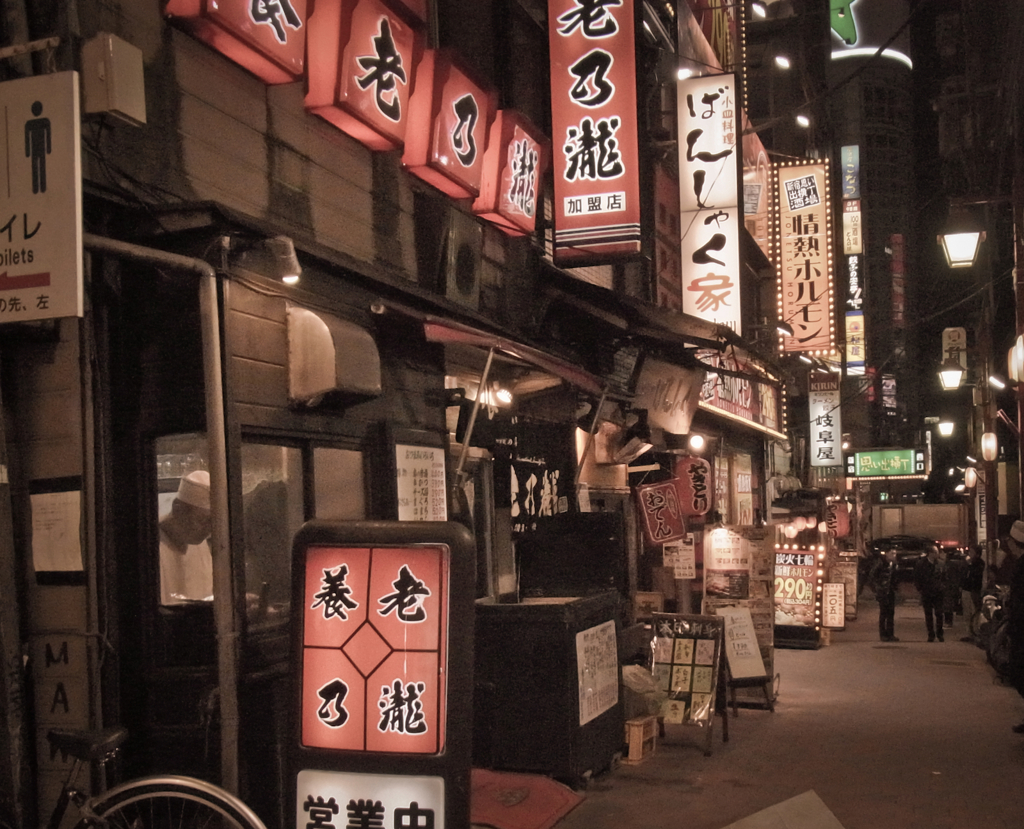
x=506 y=800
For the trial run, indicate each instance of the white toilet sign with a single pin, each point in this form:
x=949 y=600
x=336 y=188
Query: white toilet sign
x=40 y=198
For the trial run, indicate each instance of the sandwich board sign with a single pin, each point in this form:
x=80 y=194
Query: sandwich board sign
x=40 y=198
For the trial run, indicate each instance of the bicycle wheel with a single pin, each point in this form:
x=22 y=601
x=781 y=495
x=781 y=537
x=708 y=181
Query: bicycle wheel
x=168 y=802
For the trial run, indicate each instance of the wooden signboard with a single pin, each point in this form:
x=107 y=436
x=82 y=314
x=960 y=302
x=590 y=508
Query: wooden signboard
x=686 y=666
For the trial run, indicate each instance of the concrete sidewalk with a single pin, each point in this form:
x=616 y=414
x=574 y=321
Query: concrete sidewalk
x=907 y=735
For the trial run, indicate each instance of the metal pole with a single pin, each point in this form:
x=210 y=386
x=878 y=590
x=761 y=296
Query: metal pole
x=220 y=538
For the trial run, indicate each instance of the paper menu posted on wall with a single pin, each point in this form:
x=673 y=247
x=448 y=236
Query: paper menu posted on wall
x=681 y=557
x=56 y=520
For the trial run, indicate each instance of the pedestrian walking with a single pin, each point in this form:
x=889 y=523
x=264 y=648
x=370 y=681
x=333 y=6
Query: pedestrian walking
x=929 y=578
x=883 y=581
x=970 y=590
x=953 y=567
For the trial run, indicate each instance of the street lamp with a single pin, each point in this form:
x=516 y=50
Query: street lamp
x=951 y=374
x=961 y=239
x=946 y=428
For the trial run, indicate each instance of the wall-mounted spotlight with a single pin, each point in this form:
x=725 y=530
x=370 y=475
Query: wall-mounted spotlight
x=803 y=121
x=696 y=442
x=273 y=257
x=782 y=62
x=759 y=9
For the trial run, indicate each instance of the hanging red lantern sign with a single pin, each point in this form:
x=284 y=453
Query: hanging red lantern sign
x=268 y=39
x=449 y=117
x=693 y=483
x=362 y=57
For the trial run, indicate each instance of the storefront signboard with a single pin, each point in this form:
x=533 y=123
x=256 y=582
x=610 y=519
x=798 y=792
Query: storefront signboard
x=41 y=198
x=803 y=253
x=449 y=114
x=660 y=512
x=796 y=587
x=833 y=605
x=855 y=343
x=709 y=210
x=687 y=651
x=594 y=130
x=514 y=165
x=886 y=463
x=362 y=60
x=743 y=398
x=826 y=427
x=268 y=39
x=727 y=557
x=382 y=660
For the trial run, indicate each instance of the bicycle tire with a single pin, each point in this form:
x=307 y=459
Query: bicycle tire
x=168 y=802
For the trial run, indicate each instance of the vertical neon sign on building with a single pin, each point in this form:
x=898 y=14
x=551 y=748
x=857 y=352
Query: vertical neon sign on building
x=803 y=256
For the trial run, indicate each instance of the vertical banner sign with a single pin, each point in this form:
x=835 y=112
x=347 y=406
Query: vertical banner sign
x=40 y=199
x=833 y=605
x=826 y=428
x=851 y=227
x=709 y=211
x=898 y=276
x=594 y=133
x=854 y=343
x=803 y=248
x=850 y=156
x=378 y=661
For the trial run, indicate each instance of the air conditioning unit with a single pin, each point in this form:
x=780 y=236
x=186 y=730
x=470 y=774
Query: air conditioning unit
x=462 y=260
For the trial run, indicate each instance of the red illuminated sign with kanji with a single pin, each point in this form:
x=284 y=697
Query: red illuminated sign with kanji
x=693 y=485
x=448 y=121
x=374 y=640
x=362 y=58
x=594 y=134
x=267 y=37
x=659 y=507
x=513 y=170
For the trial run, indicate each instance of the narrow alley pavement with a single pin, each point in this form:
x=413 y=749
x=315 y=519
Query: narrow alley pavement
x=904 y=735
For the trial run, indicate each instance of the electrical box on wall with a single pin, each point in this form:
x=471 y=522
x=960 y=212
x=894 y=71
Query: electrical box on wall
x=112 y=79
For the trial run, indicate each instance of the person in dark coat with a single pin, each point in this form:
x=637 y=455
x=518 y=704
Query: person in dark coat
x=929 y=577
x=972 y=579
x=883 y=580
x=1015 y=613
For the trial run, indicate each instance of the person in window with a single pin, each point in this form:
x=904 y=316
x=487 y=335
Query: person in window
x=186 y=566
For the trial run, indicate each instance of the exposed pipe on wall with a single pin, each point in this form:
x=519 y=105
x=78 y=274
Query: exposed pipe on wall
x=220 y=539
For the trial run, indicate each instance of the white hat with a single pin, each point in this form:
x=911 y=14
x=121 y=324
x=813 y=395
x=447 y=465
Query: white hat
x=194 y=489
x=1017 y=532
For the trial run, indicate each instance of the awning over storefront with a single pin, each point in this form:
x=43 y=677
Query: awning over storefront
x=446 y=331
